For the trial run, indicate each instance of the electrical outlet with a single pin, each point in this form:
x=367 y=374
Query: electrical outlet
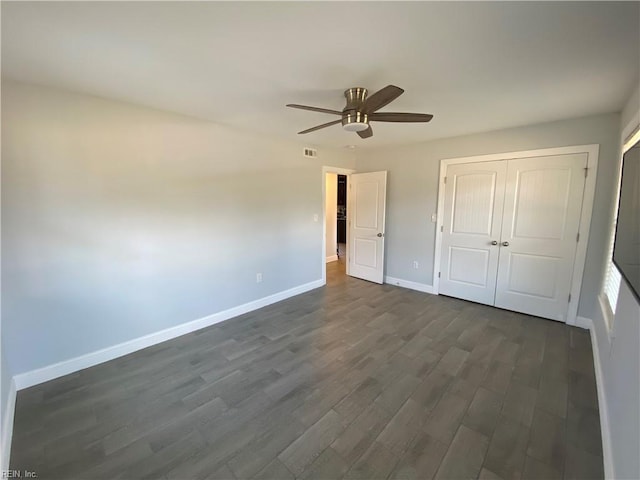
x=258 y=278
x=415 y=264
x=315 y=217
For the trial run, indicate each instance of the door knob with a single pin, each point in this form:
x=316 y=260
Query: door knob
x=505 y=244
x=495 y=242
x=379 y=235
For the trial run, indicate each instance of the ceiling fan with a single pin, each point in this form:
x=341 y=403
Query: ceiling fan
x=362 y=109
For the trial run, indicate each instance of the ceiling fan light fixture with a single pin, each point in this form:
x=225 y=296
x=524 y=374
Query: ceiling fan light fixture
x=362 y=109
x=355 y=127
x=355 y=121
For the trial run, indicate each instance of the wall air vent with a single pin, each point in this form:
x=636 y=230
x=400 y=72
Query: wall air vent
x=310 y=152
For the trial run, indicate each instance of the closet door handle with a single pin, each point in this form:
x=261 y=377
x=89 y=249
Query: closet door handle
x=494 y=242
x=505 y=244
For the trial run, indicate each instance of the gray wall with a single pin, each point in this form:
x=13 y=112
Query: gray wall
x=5 y=384
x=120 y=221
x=618 y=343
x=413 y=190
x=620 y=363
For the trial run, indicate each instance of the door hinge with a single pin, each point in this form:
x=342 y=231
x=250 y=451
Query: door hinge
x=445 y=179
x=439 y=274
x=586 y=172
x=578 y=237
x=569 y=298
x=442 y=228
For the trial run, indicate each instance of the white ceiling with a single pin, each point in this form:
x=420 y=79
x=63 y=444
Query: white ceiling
x=476 y=66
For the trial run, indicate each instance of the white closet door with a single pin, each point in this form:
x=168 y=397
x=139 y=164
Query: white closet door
x=474 y=195
x=543 y=202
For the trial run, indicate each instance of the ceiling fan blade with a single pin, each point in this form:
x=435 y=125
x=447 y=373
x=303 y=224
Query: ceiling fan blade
x=314 y=109
x=400 y=117
x=313 y=129
x=381 y=98
x=366 y=133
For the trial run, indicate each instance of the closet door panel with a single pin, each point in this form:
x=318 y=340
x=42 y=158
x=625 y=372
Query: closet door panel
x=543 y=201
x=474 y=196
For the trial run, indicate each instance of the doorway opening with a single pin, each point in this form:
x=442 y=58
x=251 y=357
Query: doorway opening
x=335 y=223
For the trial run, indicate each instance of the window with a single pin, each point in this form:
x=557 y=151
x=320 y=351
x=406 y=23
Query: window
x=612 y=278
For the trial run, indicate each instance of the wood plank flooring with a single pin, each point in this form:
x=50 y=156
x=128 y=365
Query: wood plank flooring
x=353 y=380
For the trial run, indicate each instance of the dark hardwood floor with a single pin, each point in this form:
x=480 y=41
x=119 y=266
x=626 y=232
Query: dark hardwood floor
x=354 y=380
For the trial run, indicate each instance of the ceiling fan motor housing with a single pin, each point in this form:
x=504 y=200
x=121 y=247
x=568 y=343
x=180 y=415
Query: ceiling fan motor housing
x=354 y=119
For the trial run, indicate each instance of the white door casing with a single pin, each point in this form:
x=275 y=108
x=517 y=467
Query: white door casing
x=474 y=197
x=543 y=202
x=366 y=216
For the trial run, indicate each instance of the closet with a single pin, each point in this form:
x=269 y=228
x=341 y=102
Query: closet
x=510 y=232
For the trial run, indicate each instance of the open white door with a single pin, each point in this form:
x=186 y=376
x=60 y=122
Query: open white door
x=367 y=201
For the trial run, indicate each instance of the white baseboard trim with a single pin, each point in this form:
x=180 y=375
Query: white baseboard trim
x=34 y=377
x=583 y=322
x=603 y=410
x=7 y=427
x=332 y=258
x=420 y=287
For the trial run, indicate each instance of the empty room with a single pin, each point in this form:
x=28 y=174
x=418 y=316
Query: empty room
x=320 y=240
